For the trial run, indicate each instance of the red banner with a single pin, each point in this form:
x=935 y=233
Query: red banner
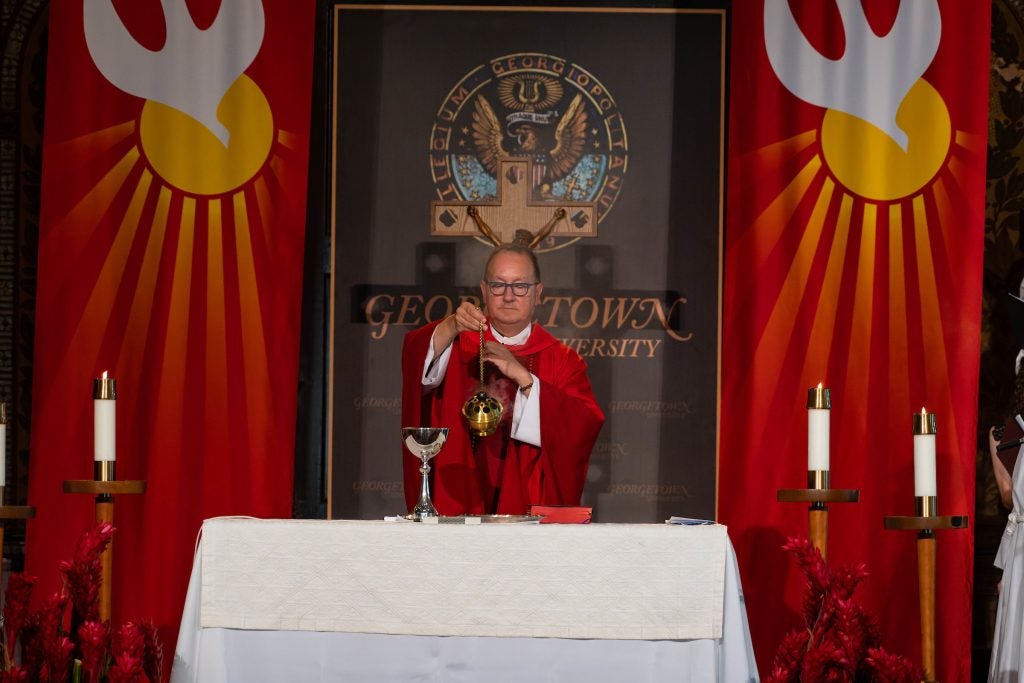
x=854 y=259
x=170 y=256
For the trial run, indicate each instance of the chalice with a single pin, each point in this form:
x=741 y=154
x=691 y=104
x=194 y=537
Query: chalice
x=424 y=443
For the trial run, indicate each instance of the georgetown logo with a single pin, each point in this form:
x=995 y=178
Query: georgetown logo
x=529 y=145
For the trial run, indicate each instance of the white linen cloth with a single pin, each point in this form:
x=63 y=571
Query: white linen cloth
x=616 y=581
x=1007 y=660
x=229 y=655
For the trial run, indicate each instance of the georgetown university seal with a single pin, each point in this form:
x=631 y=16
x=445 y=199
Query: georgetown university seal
x=542 y=108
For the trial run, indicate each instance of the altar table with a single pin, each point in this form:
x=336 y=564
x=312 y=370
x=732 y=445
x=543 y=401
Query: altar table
x=302 y=600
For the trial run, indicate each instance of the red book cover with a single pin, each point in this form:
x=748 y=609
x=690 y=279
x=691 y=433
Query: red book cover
x=562 y=514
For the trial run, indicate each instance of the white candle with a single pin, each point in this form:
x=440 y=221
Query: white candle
x=819 y=404
x=104 y=394
x=924 y=454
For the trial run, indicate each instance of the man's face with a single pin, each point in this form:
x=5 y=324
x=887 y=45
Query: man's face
x=510 y=314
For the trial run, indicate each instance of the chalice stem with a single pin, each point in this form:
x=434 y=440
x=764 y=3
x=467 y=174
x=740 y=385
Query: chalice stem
x=425 y=507
x=425 y=484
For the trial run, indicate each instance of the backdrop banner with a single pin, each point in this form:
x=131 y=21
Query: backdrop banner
x=621 y=121
x=854 y=258
x=170 y=257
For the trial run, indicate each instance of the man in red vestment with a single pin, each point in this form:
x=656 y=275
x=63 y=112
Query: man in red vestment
x=540 y=451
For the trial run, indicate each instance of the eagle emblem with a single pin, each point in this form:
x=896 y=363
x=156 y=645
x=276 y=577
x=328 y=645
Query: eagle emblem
x=554 y=141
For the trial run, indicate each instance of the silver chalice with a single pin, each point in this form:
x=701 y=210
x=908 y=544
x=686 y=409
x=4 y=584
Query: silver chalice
x=424 y=443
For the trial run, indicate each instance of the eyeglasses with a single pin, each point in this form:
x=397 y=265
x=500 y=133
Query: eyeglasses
x=518 y=288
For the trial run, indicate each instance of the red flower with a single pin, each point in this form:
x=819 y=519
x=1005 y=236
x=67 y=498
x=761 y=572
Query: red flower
x=827 y=663
x=122 y=676
x=817 y=573
x=56 y=659
x=94 y=644
x=40 y=638
x=841 y=641
x=786 y=668
x=889 y=668
x=14 y=675
x=128 y=650
x=845 y=580
x=153 y=652
x=19 y=593
x=83 y=574
x=132 y=653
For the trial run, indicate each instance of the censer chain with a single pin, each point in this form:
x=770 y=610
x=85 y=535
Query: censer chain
x=481 y=355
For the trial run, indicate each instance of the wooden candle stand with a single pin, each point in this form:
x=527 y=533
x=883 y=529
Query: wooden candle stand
x=105 y=492
x=926 y=526
x=817 y=520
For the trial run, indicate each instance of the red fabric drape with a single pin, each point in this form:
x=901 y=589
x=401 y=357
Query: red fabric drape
x=172 y=259
x=855 y=262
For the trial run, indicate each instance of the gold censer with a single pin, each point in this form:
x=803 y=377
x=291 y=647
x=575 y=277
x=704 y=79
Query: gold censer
x=482 y=411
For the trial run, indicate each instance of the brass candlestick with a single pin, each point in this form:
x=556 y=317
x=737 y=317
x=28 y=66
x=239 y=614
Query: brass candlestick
x=819 y=489
x=104 y=485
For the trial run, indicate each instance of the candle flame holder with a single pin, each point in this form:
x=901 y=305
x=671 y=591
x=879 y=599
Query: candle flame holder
x=104 y=470
x=104 y=388
x=819 y=398
x=818 y=479
x=924 y=424
x=925 y=506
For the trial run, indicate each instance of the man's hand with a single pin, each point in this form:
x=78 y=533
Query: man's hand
x=507 y=363
x=466 y=318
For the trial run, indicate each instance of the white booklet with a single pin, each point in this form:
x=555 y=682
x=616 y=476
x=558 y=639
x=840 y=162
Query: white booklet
x=688 y=521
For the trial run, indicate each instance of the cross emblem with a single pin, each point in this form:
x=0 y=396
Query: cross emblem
x=513 y=215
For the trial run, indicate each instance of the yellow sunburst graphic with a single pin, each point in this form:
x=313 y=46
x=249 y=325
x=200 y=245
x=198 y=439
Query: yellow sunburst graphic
x=188 y=156
x=187 y=231
x=852 y=253
x=870 y=163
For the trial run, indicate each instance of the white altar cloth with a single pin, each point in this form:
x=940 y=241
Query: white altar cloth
x=341 y=600
x=507 y=580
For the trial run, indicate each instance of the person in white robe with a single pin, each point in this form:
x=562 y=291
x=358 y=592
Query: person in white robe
x=1006 y=663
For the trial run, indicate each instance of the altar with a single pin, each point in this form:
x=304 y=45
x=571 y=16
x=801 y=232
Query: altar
x=303 y=600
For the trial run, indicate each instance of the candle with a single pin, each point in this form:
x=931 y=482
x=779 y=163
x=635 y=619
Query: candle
x=104 y=393
x=924 y=453
x=819 y=404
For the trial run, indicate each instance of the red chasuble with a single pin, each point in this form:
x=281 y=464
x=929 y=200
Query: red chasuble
x=496 y=474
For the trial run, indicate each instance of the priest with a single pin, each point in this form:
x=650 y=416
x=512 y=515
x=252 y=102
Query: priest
x=541 y=448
